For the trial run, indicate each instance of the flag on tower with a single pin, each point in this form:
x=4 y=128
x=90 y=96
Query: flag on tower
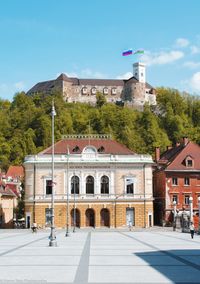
x=127 y=52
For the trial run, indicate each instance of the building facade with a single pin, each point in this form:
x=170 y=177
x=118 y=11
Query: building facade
x=104 y=182
x=134 y=91
x=176 y=179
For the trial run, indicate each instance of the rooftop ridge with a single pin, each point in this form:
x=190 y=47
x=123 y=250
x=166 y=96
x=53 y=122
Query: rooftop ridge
x=87 y=136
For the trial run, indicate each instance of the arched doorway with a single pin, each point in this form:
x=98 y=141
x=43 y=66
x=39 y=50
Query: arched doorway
x=77 y=218
x=105 y=217
x=90 y=218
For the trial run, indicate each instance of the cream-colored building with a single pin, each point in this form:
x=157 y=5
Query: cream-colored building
x=8 y=201
x=113 y=185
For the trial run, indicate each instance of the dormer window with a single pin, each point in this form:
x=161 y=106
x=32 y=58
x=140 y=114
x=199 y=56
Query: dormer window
x=105 y=91
x=101 y=149
x=76 y=149
x=84 y=90
x=189 y=162
x=93 y=91
x=114 y=91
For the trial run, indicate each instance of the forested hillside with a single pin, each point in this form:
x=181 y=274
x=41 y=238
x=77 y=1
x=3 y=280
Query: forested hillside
x=25 y=123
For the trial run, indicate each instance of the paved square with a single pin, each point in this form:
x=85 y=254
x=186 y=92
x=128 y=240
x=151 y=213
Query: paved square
x=101 y=256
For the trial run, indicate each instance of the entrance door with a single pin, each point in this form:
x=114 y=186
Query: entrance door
x=90 y=218
x=76 y=217
x=28 y=220
x=105 y=218
x=150 y=220
x=130 y=217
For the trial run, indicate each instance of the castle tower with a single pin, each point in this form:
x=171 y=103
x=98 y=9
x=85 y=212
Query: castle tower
x=139 y=72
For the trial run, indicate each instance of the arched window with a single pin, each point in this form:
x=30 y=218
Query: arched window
x=75 y=184
x=89 y=185
x=104 y=185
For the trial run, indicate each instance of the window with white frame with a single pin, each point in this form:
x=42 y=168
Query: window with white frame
x=187 y=199
x=175 y=198
x=174 y=181
x=84 y=90
x=129 y=185
x=75 y=185
x=186 y=181
x=105 y=91
x=104 y=185
x=114 y=91
x=93 y=91
x=89 y=185
x=48 y=186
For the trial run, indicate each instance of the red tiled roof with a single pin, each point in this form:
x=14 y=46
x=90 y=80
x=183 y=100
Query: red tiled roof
x=15 y=171
x=7 y=192
x=175 y=157
x=108 y=146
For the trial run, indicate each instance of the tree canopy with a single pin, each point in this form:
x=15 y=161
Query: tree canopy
x=25 y=123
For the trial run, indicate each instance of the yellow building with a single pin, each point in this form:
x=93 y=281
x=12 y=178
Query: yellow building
x=106 y=184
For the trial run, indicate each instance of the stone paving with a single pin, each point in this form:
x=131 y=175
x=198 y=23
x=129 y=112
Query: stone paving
x=100 y=256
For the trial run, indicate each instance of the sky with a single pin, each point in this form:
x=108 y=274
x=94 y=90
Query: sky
x=39 y=39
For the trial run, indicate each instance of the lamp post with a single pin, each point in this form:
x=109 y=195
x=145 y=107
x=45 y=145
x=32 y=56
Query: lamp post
x=191 y=208
x=174 y=221
x=199 y=215
x=67 y=183
x=52 y=237
x=74 y=229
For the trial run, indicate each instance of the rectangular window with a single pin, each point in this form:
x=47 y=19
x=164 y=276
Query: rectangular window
x=186 y=181
x=175 y=198
x=47 y=216
x=187 y=197
x=189 y=163
x=129 y=186
x=48 y=186
x=174 y=181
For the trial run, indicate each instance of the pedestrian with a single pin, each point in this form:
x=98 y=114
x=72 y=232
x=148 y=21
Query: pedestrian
x=192 y=230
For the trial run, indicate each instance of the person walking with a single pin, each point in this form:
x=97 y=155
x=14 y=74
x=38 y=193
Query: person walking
x=192 y=230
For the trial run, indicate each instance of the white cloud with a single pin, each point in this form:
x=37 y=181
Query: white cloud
x=191 y=64
x=19 y=86
x=161 y=57
x=195 y=49
x=125 y=76
x=195 y=82
x=182 y=42
x=92 y=74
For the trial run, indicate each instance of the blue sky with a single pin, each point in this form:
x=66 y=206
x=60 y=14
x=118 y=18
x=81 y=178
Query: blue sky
x=42 y=38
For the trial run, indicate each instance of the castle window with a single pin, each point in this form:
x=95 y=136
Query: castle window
x=114 y=91
x=93 y=91
x=84 y=90
x=105 y=91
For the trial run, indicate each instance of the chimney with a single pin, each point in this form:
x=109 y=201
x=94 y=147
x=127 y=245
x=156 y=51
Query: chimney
x=169 y=147
x=185 y=141
x=157 y=154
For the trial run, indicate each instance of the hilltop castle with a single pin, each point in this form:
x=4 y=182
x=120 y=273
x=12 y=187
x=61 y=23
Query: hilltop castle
x=134 y=91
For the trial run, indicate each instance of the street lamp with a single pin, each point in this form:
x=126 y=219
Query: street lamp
x=67 y=183
x=52 y=237
x=199 y=215
x=74 y=229
x=191 y=208
x=174 y=221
